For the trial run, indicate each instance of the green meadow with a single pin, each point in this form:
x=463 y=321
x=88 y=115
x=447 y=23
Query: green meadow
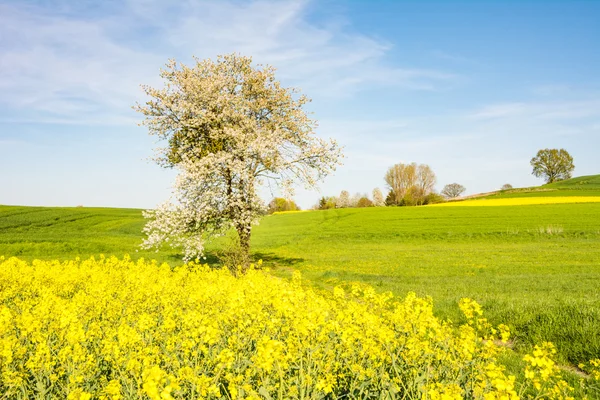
x=580 y=186
x=63 y=233
x=535 y=267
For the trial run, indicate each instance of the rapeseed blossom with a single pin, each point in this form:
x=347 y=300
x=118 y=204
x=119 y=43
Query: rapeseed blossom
x=519 y=201
x=118 y=329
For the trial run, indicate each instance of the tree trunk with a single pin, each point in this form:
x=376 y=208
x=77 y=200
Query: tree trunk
x=244 y=236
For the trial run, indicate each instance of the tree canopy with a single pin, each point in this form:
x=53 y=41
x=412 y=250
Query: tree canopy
x=378 y=200
x=553 y=165
x=279 y=204
x=453 y=190
x=410 y=183
x=229 y=127
x=343 y=201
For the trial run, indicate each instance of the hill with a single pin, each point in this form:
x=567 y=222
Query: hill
x=66 y=232
x=580 y=186
x=588 y=182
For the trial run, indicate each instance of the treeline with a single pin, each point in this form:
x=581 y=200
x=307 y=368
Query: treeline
x=407 y=185
x=345 y=200
x=411 y=185
x=279 y=204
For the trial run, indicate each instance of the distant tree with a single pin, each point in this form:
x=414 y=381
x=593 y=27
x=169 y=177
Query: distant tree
x=425 y=183
x=378 y=199
x=344 y=200
x=280 y=204
x=400 y=179
x=355 y=199
x=364 y=202
x=552 y=165
x=453 y=190
x=434 y=198
x=322 y=202
x=325 y=203
x=390 y=199
x=410 y=183
x=506 y=186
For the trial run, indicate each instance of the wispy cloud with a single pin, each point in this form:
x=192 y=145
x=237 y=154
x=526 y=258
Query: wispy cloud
x=4 y=143
x=454 y=58
x=63 y=63
x=545 y=110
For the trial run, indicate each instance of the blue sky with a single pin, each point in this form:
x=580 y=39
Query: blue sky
x=473 y=89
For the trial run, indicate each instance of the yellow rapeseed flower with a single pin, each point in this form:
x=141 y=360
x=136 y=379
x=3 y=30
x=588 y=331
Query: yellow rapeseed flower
x=519 y=201
x=117 y=329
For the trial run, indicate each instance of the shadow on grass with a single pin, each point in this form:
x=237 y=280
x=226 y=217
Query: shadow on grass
x=214 y=259
x=273 y=260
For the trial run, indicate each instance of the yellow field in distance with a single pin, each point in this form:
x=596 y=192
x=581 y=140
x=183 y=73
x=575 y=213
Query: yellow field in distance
x=289 y=212
x=519 y=201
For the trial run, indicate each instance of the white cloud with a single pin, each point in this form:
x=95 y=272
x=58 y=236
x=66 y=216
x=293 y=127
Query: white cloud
x=60 y=64
x=541 y=110
x=499 y=110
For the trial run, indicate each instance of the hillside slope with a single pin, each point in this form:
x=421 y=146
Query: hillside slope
x=588 y=182
x=64 y=232
x=580 y=186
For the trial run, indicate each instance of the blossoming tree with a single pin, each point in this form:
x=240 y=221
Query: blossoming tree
x=378 y=200
x=229 y=127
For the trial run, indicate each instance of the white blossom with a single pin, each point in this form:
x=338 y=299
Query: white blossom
x=378 y=200
x=229 y=128
x=343 y=201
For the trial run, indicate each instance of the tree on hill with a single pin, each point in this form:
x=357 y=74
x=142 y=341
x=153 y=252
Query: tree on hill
x=390 y=199
x=434 y=198
x=378 y=200
x=364 y=202
x=229 y=127
x=355 y=199
x=343 y=200
x=279 y=204
x=425 y=183
x=400 y=178
x=506 y=186
x=453 y=190
x=326 y=203
x=552 y=165
x=410 y=183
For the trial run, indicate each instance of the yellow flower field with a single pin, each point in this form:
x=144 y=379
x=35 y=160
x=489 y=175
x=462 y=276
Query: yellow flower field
x=289 y=212
x=519 y=201
x=117 y=329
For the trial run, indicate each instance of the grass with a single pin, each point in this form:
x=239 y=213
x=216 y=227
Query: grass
x=534 y=267
x=62 y=233
x=586 y=182
x=580 y=186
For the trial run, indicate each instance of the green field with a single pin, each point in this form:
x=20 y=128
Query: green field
x=536 y=268
x=61 y=233
x=545 y=285
x=581 y=186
